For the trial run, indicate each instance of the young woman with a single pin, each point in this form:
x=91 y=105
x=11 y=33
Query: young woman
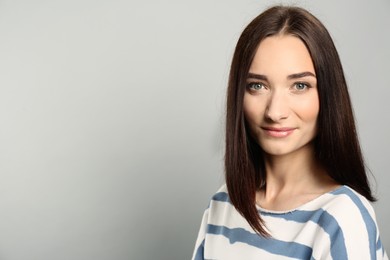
x=296 y=185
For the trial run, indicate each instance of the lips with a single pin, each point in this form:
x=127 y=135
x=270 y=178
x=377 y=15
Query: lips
x=278 y=132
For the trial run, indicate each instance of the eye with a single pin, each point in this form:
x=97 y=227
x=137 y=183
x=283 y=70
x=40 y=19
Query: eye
x=255 y=86
x=300 y=86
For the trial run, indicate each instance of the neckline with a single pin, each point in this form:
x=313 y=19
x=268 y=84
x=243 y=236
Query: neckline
x=304 y=205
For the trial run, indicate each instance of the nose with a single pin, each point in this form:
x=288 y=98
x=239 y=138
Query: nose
x=277 y=107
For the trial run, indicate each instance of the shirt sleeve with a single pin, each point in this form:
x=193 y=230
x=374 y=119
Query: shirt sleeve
x=198 y=253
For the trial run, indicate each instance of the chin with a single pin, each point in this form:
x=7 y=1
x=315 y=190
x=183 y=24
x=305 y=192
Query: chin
x=276 y=151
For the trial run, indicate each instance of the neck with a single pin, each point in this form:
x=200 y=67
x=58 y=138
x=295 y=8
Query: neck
x=294 y=172
x=293 y=179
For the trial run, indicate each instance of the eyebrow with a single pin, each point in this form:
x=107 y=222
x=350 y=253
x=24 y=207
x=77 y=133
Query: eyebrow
x=292 y=76
x=301 y=75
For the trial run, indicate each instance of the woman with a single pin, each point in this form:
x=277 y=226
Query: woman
x=296 y=185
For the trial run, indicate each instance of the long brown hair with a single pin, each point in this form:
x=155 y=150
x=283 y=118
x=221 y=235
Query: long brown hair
x=336 y=144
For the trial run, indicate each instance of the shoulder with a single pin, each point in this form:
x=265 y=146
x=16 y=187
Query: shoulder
x=353 y=197
x=221 y=194
x=220 y=201
x=353 y=222
x=221 y=211
x=345 y=202
x=351 y=210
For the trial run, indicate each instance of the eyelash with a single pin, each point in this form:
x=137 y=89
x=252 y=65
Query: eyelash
x=251 y=86
x=306 y=85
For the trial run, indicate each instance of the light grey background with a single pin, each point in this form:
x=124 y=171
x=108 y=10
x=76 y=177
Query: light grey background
x=112 y=118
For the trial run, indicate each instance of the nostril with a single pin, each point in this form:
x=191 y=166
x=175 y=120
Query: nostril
x=276 y=110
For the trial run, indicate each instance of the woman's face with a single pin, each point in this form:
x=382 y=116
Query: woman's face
x=281 y=101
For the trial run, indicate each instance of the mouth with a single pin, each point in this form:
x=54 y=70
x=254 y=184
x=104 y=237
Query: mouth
x=278 y=132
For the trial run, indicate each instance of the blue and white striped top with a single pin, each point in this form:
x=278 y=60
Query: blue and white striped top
x=337 y=225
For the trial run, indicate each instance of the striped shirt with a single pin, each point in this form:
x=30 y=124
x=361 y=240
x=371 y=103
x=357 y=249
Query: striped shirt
x=337 y=225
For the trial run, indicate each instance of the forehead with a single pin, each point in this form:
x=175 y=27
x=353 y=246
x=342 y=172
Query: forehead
x=280 y=55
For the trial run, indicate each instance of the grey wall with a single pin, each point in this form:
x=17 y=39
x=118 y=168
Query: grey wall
x=111 y=116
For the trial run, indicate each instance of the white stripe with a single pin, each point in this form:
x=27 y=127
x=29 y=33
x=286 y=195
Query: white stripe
x=220 y=248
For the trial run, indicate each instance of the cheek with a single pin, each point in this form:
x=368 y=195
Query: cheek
x=309 y=109
x=252 y=110
x=311 y=114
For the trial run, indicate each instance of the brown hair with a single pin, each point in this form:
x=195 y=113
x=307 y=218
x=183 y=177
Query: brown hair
x=336 y=144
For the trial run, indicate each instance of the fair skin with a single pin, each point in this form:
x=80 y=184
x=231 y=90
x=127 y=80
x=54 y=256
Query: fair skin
x=281 y=107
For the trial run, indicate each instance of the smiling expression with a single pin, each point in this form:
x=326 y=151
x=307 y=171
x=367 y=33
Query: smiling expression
x=281 y=101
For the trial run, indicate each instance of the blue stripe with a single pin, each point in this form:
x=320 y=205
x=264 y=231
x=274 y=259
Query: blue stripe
x=379 y=246
x=326 y=221
x=370 y=224
x=277 y=247
x=200 y=252
x=221 y=196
